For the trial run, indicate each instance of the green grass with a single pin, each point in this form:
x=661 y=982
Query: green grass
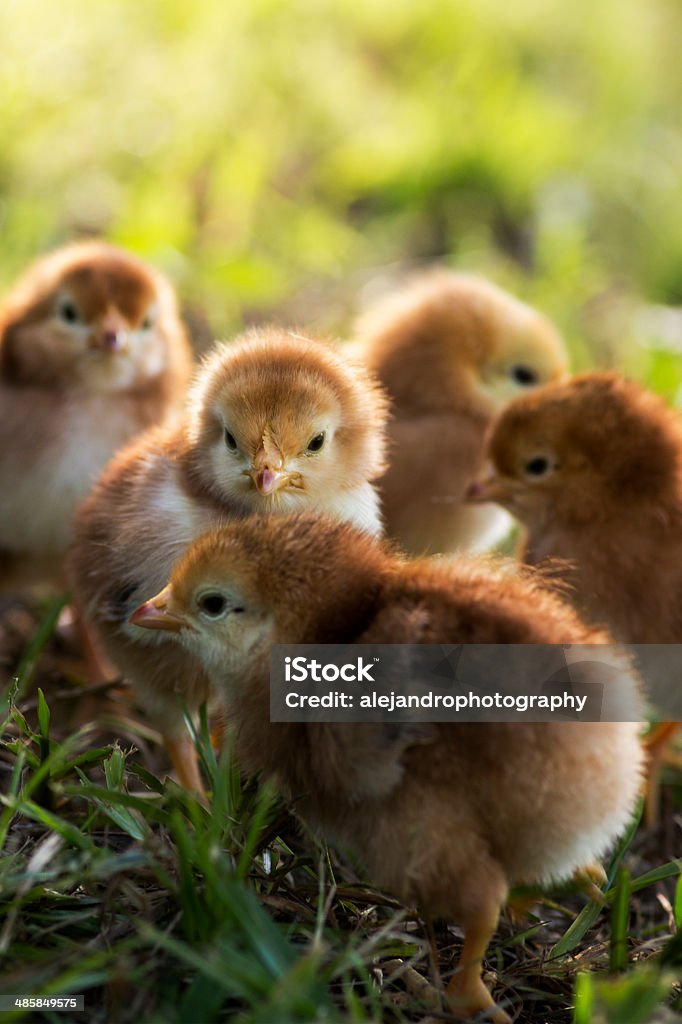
x=117 y=884
x=287 y=161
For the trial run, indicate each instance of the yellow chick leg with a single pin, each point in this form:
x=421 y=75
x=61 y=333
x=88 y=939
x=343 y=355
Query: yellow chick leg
x=185 y=762
x=656 y=743
x=590 y=879
x=467 y=993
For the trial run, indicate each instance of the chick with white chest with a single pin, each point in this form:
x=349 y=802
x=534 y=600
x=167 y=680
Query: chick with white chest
x=452 y=350
x=92 y=352
x=275 y=423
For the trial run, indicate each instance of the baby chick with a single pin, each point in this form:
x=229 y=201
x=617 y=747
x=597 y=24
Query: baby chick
x=92 y=351
x=451 y=351
x=593 y=469
x=276 y=423
x=447 y=819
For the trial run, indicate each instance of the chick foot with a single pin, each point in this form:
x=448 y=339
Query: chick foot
x=470 y=998
x=467 y=994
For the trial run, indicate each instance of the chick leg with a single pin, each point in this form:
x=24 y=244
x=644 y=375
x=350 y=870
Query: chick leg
x=184 y=759
x=467 y=993
x=97 y=667
x=656 y=745
x=591 y=878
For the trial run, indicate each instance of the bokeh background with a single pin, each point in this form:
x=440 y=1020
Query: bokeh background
x=290 y=160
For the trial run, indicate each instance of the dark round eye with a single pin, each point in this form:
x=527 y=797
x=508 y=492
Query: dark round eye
x=212 y=604
x=147 y=323
x=68 y=311
x=524 y=375
x=230 y=441
x=537 y=466
x=316 y=443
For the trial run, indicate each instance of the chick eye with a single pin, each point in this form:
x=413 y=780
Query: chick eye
x=68 y=311
x=147 y=323
x=539 y=466
x=316 y=443
x=230 y=441
x=212 y=604
x=524 y=375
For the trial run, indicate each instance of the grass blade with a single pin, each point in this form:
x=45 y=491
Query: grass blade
x=620 y=915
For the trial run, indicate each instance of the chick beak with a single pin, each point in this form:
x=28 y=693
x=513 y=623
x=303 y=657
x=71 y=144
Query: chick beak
x=268 y=471
x=111 y=335
x=268 y=480
x=155 y=614
x=490 y=486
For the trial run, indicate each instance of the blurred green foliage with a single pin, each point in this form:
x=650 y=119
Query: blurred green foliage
x=273 y=156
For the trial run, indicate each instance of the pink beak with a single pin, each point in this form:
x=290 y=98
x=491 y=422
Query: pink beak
x=267 y=480
x=490 y=487
x=154 y=614
x=112 y=333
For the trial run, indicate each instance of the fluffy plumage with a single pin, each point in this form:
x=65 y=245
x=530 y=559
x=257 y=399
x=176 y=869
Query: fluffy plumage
x=451 y=350
x=593 y=469
x=92 y=351
x=446 y=820
x=276 y=423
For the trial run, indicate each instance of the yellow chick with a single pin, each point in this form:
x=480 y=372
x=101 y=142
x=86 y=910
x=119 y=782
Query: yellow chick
x=92 y=351
x=447 y=820
x=451 y=350
x=275 y=423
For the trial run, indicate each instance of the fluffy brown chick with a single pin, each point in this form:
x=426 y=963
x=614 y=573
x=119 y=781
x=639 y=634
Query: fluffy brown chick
x=276 y=423
x=447 y=821
x=593 y=469
x=451 y=350
x=92 y=351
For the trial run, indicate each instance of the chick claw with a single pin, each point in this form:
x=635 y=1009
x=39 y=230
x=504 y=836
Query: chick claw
x=468 y=996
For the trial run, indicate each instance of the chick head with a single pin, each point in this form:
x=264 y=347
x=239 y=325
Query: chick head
x=89 y=315
x=278 y=422
x=465 y=341
x=267 y=579
x=583 y=450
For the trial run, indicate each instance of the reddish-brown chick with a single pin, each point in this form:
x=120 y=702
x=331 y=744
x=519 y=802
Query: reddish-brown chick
x=446 y=820
x=276 y=423
x=92 y=351
x=593 y=469
x=451 y=351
